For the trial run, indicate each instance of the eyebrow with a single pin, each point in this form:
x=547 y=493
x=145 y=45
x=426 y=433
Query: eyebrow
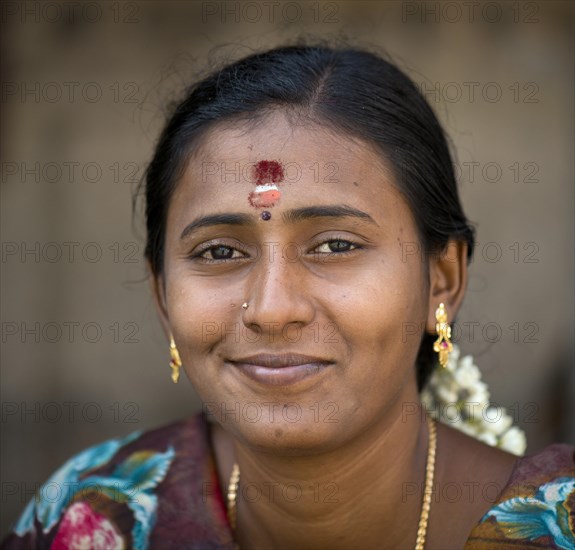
x=289 y=217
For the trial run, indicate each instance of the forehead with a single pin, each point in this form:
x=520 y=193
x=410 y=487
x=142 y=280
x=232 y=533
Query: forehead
x=319 y=165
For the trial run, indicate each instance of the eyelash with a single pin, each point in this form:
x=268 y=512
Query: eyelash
x=198 y=255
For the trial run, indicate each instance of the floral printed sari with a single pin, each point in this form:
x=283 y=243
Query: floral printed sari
x=159 y=489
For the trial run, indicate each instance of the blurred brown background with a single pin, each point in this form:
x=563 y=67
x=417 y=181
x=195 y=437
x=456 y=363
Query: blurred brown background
x=84 y=92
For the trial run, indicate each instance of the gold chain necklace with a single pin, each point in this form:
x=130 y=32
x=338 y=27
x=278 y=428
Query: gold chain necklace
x=425 y=508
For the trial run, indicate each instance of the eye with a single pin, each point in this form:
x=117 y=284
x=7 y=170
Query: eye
x=220 y=253
x=336 y=246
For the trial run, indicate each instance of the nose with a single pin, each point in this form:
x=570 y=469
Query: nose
x=277 y=296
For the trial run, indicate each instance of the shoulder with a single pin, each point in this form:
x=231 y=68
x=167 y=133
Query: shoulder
x=112 y=494
x=537 y=506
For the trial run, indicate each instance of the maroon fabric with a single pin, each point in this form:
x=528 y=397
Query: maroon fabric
x=191 y=507
x=191 y=511
x=553 y=465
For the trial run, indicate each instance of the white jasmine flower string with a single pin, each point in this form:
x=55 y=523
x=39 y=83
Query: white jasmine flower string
x=457 y=397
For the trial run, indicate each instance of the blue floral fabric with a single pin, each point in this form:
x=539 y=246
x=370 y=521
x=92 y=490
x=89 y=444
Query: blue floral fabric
x=537 y=507
x=132 y=482
x=160 y=489
x=156 y=489
x=545 y=514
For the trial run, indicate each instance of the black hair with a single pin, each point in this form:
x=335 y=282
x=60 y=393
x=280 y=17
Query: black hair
x=350 y=90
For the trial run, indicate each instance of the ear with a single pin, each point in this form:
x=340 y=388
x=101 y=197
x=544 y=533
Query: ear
x=447 y=281
x=158 y=288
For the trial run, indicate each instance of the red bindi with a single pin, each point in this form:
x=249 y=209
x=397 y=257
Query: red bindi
x=268 y=171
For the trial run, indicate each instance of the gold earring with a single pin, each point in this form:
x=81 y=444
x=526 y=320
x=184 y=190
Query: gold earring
x=175 y=361
x=442 y=345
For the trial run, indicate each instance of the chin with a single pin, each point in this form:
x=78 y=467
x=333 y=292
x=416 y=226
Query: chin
x=288 y=438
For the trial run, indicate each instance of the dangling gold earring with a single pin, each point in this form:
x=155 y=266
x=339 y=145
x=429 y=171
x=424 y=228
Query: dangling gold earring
x=175 y=361
x=442 y=345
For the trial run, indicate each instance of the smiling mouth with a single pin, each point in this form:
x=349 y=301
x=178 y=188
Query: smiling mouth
x=280 y=370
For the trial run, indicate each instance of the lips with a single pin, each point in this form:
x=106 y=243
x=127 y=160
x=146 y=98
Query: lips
x=280 y=361
x=278 y=370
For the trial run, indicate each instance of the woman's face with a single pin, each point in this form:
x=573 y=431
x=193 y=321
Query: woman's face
x=345 y=289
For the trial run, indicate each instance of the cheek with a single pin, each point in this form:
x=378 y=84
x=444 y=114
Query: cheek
x=387 y=298
x=382 y=322
x=199 y=317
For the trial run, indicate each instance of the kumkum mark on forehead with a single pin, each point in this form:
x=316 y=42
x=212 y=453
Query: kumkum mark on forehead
x=268 y=171
x=266 y=174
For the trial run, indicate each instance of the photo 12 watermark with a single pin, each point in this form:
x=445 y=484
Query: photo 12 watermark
x=52 y=332
x=269 y=11
x=472 y=11
x=70 y=172
x=271 y=412
x=311 y=492
x=69 y=412
x=54 y=252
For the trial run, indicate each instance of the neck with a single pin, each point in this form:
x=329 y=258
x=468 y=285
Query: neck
x=351 y=497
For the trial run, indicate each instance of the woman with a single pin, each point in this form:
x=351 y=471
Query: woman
x=308 y=251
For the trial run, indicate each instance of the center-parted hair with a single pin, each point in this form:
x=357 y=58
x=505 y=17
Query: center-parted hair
x=351 y=91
